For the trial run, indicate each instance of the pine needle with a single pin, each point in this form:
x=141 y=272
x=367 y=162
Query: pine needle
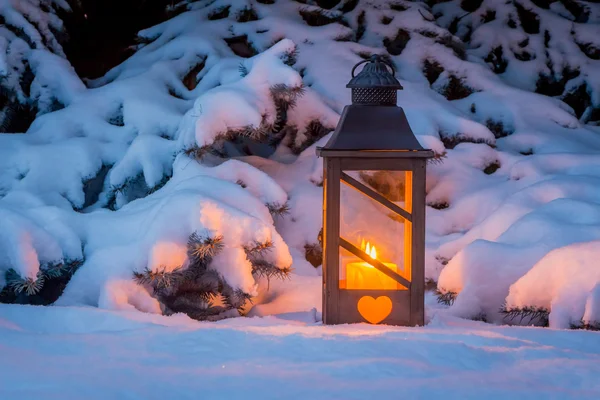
x=527 y=315
x=203 y=248
x=262 y=268
x=446 y=298
x=235 y=298
x=277 y=209
x=159 y=279
x=30 y=286
x=588 y=326
x=258 y=248
x=284 y=94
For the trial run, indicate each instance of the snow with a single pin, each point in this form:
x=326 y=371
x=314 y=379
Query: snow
x=516 y=183
x=153 y=233
x=36 y=27
x=566 y=280
x=76 y=352
x=118 y=172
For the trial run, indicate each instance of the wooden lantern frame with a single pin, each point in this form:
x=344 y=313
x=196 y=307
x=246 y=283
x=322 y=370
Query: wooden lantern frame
x=340 y=305
x=374 y=135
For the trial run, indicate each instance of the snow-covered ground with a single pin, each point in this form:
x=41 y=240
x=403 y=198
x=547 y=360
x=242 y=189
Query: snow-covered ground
x=212 y=124
x=89 y=353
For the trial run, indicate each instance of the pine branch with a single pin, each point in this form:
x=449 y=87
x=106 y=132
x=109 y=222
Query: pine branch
x=262 y=268
x=257 y=133
x=313 y=131
x=278 y=210
x=588 y=326
x=284 y=97
x=290 y=58
x=284 y=94
x=318 y=16
x=258 y=249
x=53 y=270
x=430 y=285
x=57 y=269
x=446 y=298
x=203 y=248
x=235 y=298
x=159 y=279
x=18 y=284
x=204 y=293
x=438 y=159
x=208 y=281
x=194 y=305
x=480 y=317
x=530 y=314
x=243 y=70
x=197 y=152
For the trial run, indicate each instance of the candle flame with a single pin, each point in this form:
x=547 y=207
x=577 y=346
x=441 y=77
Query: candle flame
x=370 y=250
x=367 y=248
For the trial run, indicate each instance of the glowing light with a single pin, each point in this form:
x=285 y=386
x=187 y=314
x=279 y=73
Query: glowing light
x=367 y=248
x=362 y=275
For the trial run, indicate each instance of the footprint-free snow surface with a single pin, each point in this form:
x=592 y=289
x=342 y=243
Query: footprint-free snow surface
x=88 y=353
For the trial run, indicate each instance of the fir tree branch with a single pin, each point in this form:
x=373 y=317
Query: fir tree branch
x=286 y=95
x=57 y=269
x=159 y=279
x=258 y=249
x=243 y=70
x=203 y=248
x=291 y=57
x=277 y=209
x=53 y=270
x=262 y=268
x=446 y=298
x=207 y=283
x=588 y=326
x=18 y=284
x=530 y=314
x=235 y=298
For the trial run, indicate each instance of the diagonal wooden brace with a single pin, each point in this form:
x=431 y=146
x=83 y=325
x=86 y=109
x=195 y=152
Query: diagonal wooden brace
x=353 y=183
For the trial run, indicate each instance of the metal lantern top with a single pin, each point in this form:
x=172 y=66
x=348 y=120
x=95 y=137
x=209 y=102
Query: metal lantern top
x=375 y=84
x=373 y=126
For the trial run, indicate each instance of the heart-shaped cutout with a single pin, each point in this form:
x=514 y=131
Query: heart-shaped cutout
x=374 y=310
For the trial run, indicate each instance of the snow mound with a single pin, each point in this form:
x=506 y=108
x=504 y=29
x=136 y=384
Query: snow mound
x=30 y=31
x=566 y=282
x=152 y=233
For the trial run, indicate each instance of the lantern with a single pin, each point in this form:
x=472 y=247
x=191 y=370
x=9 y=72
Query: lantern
x=374 y=207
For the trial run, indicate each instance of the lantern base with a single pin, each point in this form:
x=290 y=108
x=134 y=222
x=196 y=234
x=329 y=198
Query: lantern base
x=344 y=309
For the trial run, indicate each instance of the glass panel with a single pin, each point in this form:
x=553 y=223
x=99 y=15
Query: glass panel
x=392 y=185
x=375 y=229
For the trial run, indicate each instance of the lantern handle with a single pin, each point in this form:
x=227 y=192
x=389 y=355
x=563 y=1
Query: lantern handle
x=375 y=58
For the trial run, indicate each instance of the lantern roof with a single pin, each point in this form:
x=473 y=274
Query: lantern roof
x=369 y=129
x=374 y=126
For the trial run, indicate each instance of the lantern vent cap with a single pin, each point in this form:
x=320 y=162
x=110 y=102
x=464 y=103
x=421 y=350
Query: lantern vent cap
x=375 y=75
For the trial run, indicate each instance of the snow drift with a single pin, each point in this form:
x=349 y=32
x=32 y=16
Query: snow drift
x=505 y=95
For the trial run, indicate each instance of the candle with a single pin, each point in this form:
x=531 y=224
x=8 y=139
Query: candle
x=362 y=275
